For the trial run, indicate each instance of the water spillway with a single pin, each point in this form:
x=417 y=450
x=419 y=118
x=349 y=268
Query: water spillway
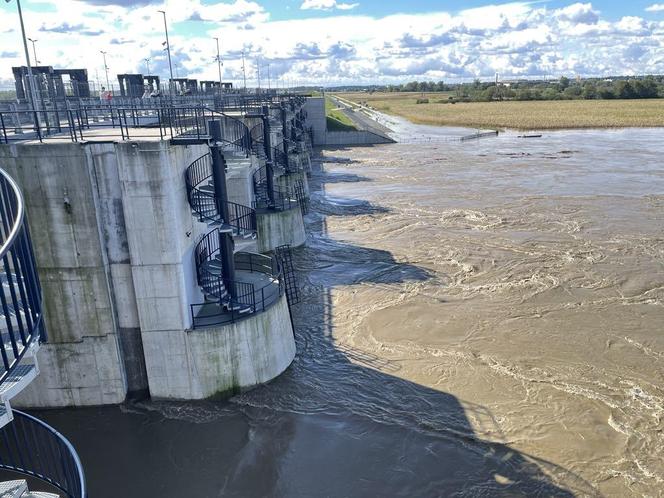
x=474 y=320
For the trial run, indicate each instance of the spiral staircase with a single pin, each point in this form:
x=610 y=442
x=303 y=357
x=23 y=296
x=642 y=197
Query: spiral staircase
x=257 y=282
x=28 y=446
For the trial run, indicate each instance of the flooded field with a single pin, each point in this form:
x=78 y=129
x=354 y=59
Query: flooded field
x=478 y=319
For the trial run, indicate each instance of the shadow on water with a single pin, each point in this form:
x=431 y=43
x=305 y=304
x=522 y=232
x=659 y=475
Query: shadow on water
x=338 y=423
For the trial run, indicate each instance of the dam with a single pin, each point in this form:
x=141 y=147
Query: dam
x=255 y=311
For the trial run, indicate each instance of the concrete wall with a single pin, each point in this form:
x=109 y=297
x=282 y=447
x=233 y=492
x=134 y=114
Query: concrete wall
x=114 y=237
x=276 y=228
x=315 y=108
x=360 y=137
x=239 y=179
x=220 y=361
x=82 y=364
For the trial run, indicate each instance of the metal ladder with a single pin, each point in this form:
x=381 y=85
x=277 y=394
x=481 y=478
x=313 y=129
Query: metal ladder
x=285 y=257
x=301 y=197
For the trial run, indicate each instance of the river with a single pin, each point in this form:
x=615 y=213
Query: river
x=478 y=318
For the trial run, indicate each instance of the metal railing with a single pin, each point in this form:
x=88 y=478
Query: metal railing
x=136 y=122
x=20 y=296
x=33 y=448
x=232 y=300
x=282 y=199
x=242 y=219
x=27 y=445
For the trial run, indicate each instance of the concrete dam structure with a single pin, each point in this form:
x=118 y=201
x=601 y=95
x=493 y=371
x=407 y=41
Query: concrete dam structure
x=162 y=239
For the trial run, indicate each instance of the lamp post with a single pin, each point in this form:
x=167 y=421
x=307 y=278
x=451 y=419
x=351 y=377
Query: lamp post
x=219 y=64
x=244 y=73
x=108 y=83
x=258 y=73
x=147 y=64
x=168 y=49
x=31 y=79
x=34 y=50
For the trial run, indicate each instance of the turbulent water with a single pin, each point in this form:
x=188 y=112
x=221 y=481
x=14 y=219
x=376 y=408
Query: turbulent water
x=477 y=319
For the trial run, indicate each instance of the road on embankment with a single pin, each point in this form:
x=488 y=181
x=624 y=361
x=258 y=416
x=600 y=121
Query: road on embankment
x=359 y=117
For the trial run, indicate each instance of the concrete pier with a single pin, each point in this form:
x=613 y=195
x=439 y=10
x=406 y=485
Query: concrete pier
x=115 y=238
x=276 y=228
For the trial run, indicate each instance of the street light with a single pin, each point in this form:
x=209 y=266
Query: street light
x=147 y=64
x=244 y=73
x=108 y=83
x=219 y=64
x=168 y=49
x=34 y=50
x=31 y=79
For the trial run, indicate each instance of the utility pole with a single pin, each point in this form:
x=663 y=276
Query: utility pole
x=168 y=49
x=258 y=72
x=31 y=78
x=219 y=64
x=269 y=83
x=108 y=83
x=34 y=51
x=147 y=64
x=244 y=73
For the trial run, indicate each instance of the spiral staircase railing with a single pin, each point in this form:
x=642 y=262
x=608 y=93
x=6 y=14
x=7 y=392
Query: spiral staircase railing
x=28 y=446
x=234 y=299
x=283 y=198
x=202 y=200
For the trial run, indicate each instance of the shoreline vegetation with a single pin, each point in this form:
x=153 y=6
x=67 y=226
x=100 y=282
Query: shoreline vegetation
x=336 y=119
x=435 y=108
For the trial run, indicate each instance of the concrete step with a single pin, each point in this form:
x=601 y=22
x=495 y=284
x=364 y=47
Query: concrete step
x=19 y=379
x=13 y=489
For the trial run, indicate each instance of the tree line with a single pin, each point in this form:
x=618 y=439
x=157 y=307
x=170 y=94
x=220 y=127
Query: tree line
x=648 y=87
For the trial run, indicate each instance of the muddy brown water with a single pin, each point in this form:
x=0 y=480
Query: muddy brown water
x=478 y=319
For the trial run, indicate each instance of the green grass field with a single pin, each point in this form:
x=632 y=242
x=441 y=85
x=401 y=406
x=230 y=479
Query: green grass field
x=337 y=120
x=520 y=115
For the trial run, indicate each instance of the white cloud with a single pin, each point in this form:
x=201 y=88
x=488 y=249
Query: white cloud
x=517 y=40
x=656 y=7
x=326 y=5
x=578 y=13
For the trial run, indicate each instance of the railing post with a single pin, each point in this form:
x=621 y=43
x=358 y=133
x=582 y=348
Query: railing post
x=269 y=169
x=226 y=244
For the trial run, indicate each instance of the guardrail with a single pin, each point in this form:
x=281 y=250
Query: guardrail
x=282 y=200
x=27 y=445
x=33 y=448
x=231 y=300
x=20 y=295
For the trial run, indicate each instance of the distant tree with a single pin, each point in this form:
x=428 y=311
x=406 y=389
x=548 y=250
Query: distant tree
x=589 y=91
x=524 y=94
x=573 y=92
x=563 y=83
x=490 y=93
x=550 y=93
x=624 y=90
x=646 y=88
x=606 y=92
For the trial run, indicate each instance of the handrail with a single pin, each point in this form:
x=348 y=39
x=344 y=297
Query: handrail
x=17 y=222
x=240 y=217
x=175 y=118
x=21 y=319
x=33 y=448
x=244 y=298
x=282 y=200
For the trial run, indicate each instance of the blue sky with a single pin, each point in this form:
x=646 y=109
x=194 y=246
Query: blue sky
x=290 y=9
x=328 y=42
